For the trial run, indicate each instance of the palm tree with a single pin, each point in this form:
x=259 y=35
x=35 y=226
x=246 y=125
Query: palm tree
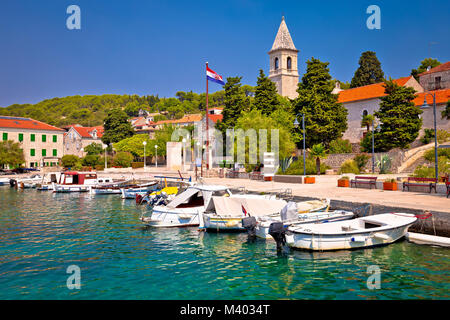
x=318 y=151
x=367 y=121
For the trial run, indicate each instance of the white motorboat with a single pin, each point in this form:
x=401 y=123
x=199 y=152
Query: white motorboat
x=290 y=216
x=46 y=184
x=78 y=181
x=185 y=209
x=142 y=189
x=370 y=231
x=28 y=182
x=4 y=181
x=227 y=214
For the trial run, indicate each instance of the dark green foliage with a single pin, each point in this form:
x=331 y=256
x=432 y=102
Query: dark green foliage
x=399 y=117
x=70 y=160
x=325 y=118
x=235 y=101
x=116 y=127
x=429 y=154
x=428 y=136
x=91 y=160
x=361 y=160
x=446 y=112
x=340 y=146
x=94 y=148
x=86 y=110
x=428 y=62
x=11 y=154
x=123 y=159
x=369 y=70
x=266 y=96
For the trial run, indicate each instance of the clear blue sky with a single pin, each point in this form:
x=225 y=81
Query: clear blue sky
x=160 y=47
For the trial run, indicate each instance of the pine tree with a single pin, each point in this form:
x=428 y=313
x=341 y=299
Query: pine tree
x=428 y=62
x=369 y=71
x=399 y=117
x=235 y=102
x=266 y=95
x=325 y=118
x=116 y=126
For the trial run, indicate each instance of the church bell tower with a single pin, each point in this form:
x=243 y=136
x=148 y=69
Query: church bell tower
x=283 y=63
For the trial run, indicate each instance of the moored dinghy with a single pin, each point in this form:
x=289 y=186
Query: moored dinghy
x=290 y=216
x=380 y=229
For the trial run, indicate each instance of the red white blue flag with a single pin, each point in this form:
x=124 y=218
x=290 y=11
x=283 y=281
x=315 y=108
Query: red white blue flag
x=244 y=211
x=213 y=76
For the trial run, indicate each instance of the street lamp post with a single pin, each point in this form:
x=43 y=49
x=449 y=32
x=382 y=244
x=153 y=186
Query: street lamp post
x=373 y=146
x=426 y=106
x=184 y=152
x=304 y=138
x=145 y=163
x=156 y=156
x=106 y=163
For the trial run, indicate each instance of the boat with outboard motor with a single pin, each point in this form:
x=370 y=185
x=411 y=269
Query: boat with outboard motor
x=364 y=232
x=290 y=216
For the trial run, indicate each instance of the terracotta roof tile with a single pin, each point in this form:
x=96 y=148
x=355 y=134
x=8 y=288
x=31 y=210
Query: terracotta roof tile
x=25 y=123
x=86 y=132
x=370 y=91
x=215 y=117
x=439 y=68
x=187 y=118
x=442 y=96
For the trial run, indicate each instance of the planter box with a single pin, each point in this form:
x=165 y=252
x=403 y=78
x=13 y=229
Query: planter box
x=344 y=183
x=268 y=178
x=392 y=186
x=288 y=179
x=310 y=180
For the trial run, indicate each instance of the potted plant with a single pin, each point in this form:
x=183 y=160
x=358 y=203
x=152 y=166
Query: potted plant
x=390 y=184
x=344 y=182
x=309 y=179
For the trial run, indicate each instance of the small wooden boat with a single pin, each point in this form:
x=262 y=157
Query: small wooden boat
x=227 y=214
x=141 y=189
x=428 y=239
x=375 y=230
x=289 y=216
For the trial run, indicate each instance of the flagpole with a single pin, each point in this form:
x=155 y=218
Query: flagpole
x=207 y=126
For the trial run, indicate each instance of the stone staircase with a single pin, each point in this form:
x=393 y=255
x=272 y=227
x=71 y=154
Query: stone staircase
x=414 y=158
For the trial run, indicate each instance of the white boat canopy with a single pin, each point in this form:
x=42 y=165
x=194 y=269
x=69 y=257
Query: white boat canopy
x=232 y=207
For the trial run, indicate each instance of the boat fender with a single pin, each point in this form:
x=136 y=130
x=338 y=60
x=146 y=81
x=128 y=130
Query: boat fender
x=358 y=239
x=278 y=233
x=249 y=223
x=381 y=236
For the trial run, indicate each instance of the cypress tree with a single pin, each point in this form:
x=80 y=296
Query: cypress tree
x=325 y=117
x=266 y=95
x=235 y=102
x=369 y=71
x=399 y=117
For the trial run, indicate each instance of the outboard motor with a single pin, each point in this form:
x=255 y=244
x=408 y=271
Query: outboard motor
x=249 y=223
x=138 y=198
x=12 y=183
x=278 y=233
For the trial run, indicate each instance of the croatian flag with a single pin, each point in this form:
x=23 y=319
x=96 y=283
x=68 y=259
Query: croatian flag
x=212 y=76
x=244 y=211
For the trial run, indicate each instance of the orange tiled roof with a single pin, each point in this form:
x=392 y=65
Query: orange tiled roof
x=442 y=96
x=187 y=118
x=25 y=123
x=439 y=68
x=370 y=91
x=215 y=117
x=86 y=132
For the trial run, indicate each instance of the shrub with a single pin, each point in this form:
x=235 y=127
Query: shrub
x=429 y=154
x=344 y=178
x=340 y=146
x=123 y=159
x=70 y=161
x=361 y=160
x=349 y=166
x=425 y=171
x=285 y=164
x=99 y=167
x=90 y=160
x=428 y=136
x=296 y=168
x=94 y=148
x=136 y=165
x=443 y=136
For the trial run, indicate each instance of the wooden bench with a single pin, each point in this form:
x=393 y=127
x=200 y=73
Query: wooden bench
x=371 y=181
x=420 y=182
x=255 y=175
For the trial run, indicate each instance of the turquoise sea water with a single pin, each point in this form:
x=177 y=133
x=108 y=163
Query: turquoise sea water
x=42 y=233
